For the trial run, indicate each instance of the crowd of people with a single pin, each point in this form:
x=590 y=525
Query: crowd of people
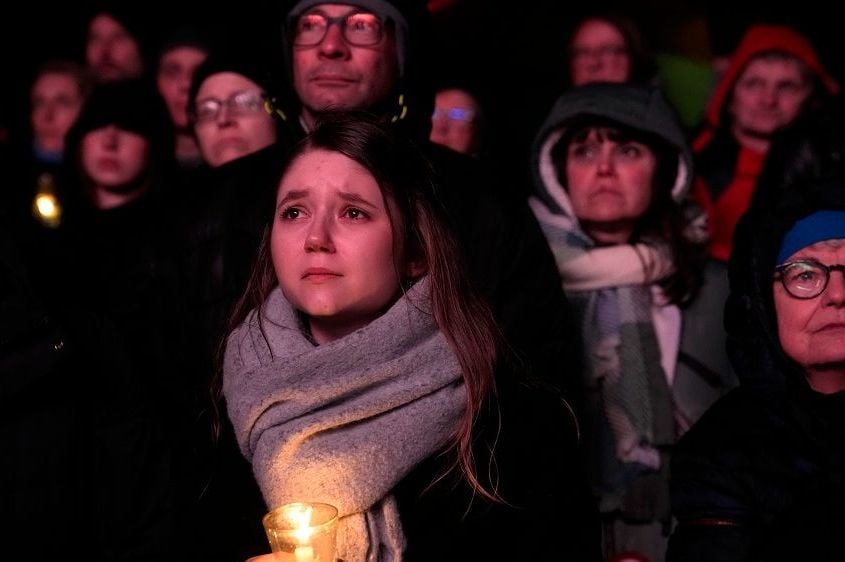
x=230 y=283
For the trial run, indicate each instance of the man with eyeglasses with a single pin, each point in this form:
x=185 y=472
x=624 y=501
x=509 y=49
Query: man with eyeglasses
x=342 y=58
x=358 y=55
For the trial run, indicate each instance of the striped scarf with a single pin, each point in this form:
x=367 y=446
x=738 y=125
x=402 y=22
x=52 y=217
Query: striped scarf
x=631 y=406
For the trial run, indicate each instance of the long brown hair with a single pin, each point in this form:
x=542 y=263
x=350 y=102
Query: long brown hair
x=404 y=174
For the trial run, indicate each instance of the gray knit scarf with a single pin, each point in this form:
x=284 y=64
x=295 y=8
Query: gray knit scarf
x=342 y=423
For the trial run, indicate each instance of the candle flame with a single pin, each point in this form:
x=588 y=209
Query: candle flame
x=46 y=205
x=301 y=516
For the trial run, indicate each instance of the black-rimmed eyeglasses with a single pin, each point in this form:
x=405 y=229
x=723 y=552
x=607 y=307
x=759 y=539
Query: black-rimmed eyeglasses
x=361 y=29
x=805 y=279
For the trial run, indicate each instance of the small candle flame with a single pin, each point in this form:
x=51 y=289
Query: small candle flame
x=47 y=209
x=46 y=205
x=301 y=515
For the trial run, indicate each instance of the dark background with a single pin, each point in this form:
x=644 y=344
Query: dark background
x=510 y=52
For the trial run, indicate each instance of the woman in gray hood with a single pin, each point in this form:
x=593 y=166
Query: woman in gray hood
x=611 y=175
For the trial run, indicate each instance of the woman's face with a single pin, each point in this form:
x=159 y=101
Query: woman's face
x=175 y=71
x=455 y=120
x=610 y=184
x=231 y=121
x=332 y=243
x=599 y=54
x=812 y=331
x=56 y=101
x=768 y=96
x=114 y=158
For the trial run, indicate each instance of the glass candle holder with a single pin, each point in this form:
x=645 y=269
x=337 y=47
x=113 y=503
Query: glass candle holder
x=302 y=532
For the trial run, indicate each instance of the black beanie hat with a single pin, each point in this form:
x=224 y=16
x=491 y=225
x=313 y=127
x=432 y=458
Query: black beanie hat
x=184 y=35
x=132 y=105
x=245 y=65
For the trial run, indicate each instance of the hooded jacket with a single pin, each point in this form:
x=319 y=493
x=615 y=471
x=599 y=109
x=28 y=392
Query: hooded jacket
x=762 y=475
x=639 y=107
x=728 y=172
x=757 y=40
x=692 y=341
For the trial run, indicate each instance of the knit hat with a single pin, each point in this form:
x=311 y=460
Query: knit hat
x=819 y=226
x=184 y=36
x=245 y=65
x=132 y=105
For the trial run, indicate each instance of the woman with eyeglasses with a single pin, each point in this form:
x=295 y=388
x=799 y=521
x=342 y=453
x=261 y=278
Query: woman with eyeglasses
x=762 y=476
x=606 y=46
x=456 y=122
x=231 y=116
x=227 y=109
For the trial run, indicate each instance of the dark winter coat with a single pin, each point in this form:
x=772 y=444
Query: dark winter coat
x=762 y=475
x=540 y=473
x=84 y=471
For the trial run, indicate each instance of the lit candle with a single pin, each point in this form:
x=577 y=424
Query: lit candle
x=304 y=554
x=303 y=531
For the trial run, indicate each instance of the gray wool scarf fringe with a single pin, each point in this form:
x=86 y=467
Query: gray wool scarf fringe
x=342 y=423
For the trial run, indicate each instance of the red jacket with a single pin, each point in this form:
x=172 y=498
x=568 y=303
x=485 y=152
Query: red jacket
x=725 y=203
